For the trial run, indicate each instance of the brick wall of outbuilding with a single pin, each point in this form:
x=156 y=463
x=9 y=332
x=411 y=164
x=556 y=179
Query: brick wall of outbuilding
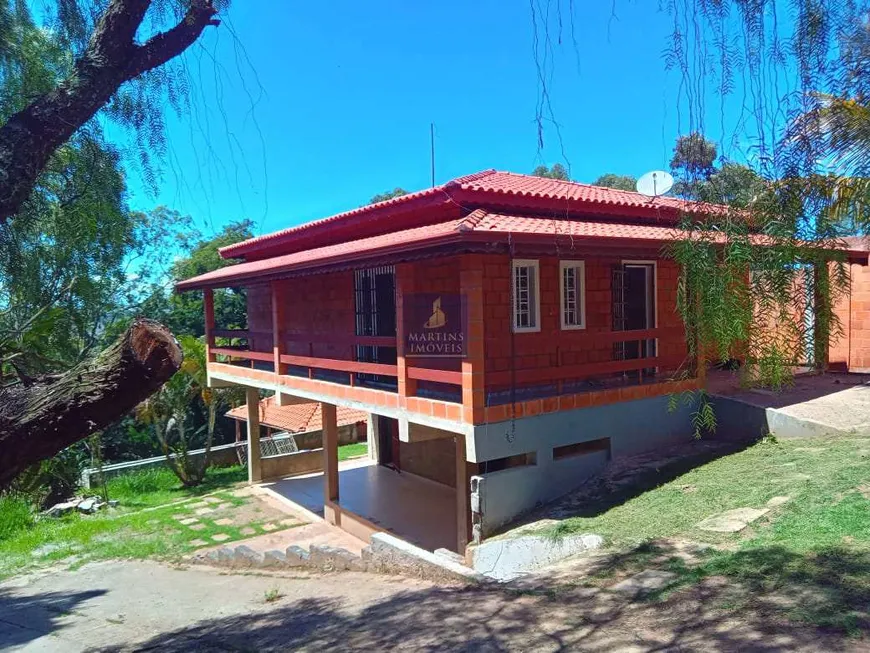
x=852 y=349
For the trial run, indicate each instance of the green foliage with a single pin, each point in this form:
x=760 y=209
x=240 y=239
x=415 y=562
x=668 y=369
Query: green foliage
x=142 y=526
x=556 y=171
x=168 y=412
x=16 y=515
x=183 y=312
x=388 y=195
x=52 y=480
x=354 y=450
x=159 y=485
x=148 y=481
x=694 y=157
x=619 y=182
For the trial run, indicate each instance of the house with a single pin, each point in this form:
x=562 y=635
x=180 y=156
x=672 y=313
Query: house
x=282 y=455
x=508 y=335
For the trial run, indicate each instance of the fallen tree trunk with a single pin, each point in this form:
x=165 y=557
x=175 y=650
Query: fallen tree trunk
x=40 y=419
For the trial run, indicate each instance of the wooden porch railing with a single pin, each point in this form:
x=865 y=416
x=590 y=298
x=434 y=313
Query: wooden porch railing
x=558 y=374
x=350 y=366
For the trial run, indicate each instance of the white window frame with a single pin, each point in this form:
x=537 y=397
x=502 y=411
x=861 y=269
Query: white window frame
x=534 y=310
x=580 y=291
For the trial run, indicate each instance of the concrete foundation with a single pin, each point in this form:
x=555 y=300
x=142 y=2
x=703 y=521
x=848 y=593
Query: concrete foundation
x=556 y=462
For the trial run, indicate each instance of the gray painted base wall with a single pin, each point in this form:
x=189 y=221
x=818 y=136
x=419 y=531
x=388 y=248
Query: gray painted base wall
x=632 y=427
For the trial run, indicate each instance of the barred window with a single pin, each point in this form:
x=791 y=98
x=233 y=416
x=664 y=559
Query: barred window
x=526 y=296
x=573 y=294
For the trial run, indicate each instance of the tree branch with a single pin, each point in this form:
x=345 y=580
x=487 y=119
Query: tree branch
x=30 y=137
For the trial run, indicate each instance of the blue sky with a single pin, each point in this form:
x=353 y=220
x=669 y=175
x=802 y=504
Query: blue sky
x=350 y=88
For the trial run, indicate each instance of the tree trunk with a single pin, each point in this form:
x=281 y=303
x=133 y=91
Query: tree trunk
x=38 y=420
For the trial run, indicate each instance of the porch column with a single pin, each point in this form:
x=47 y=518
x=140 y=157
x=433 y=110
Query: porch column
x=372 y=437
x=471 y=286
x=278 y=320
x=463 y=499
x=330 y=453
x=405 y=284
x=208 y=307
x=255 y=473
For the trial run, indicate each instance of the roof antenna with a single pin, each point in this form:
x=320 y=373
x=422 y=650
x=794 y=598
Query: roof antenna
x=655 y=183
x=432 y=149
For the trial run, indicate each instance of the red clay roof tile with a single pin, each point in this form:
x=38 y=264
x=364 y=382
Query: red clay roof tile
x=298 y=418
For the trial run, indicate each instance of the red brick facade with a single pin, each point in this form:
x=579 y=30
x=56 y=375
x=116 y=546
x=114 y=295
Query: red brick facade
x=553 y=346
x=852 y=349
x=318 y=320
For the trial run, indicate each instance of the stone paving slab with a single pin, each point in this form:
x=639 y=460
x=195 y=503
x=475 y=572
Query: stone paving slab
x=649 y=580
x=732 y=521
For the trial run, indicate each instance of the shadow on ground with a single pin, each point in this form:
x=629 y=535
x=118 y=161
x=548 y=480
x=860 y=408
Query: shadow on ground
x=761 y=600
x=626 y=478
x=41 y=615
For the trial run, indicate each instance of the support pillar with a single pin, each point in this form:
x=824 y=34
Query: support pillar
x=405 y=285
x=278 y=320
x=463 y=498
x=373 y=437
x=255 y=472
x=330 y=451
x=208 y=307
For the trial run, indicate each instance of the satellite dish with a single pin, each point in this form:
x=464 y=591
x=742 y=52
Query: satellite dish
x=655 y=183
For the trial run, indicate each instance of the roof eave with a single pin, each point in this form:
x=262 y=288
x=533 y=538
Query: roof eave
x=431 y=197
x=196 y=283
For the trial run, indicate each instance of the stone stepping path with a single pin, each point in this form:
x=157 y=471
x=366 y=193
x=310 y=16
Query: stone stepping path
x=648 y=580
x=732 y=521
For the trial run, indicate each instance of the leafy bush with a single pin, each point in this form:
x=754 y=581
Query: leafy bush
x=52 y=480
x=16 y=515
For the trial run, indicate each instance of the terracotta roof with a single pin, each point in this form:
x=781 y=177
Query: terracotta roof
x=299 y=418
x=494 y=188
x=529 y=186
x=479 y=226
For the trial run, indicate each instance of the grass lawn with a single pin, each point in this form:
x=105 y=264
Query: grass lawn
x=816 y=546
x=147 y=523
x=352 y=450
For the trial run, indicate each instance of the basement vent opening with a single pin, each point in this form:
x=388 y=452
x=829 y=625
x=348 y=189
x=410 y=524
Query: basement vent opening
x=518 y=460
x=581 y=448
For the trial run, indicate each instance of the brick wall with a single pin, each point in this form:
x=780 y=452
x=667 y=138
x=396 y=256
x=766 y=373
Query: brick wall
x=437 y=275
x=321 y=306
x=552 y=345
x=852 y=348
x=432 y=459
x=260 y=316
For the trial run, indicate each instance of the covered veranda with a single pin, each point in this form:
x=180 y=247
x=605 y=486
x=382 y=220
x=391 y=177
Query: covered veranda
x=377 y=498
x=364 y=497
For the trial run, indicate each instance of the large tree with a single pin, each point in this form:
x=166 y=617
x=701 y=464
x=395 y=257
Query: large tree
x=83 y=57
x=556 y=171
x=388 y=195
x=619 y=182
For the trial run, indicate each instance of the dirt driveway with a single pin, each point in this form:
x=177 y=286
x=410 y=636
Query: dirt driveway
x=130 y=606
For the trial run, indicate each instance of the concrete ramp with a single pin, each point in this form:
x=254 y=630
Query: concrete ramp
x=817 y=404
